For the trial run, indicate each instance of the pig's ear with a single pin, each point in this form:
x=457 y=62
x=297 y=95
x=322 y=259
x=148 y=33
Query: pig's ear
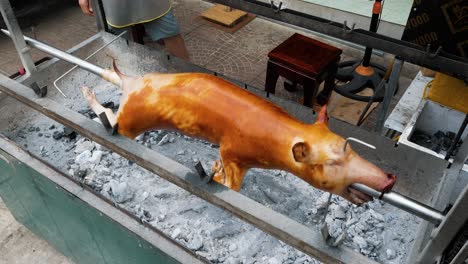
x=323 y=116
x=119 y=73
x=301 y=151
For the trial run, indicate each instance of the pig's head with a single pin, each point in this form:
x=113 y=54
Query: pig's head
x=327 y=165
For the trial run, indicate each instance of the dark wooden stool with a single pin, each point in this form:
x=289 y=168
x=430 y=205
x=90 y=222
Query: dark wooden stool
x=306 y=61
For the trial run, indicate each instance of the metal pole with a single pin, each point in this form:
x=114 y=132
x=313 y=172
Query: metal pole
x=61 y=55
x=457 y=138
x=406 y=204
x=17 y=37
x=376 y=10
x=389 y=92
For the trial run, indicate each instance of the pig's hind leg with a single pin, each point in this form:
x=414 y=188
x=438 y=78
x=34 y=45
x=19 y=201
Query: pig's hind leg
x=97 y=108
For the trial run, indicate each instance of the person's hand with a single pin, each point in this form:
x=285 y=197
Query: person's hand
x=86 y=7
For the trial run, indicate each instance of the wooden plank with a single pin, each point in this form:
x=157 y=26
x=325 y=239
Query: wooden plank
x=232 y=29
x=291 y=232
x=224 y=15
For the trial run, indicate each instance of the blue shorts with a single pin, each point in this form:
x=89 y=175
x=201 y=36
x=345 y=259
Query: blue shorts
x=160 y=28
x=163 y=27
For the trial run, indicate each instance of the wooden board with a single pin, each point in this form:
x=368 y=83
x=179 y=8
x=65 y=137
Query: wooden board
x=233 y=29
x=224 y=15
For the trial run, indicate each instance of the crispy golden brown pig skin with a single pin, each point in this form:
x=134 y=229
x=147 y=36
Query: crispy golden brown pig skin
x=251 y=132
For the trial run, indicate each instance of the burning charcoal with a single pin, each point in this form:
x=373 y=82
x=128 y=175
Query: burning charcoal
x=69 y=133
x=52 y=127
x=81 y=173
x=57 y=135
x=88 y=113
x=435 y=144
x=450 y=135
x=446 y=143
x=439 y=134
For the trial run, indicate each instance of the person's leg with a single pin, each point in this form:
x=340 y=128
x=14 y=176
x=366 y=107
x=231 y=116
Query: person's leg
x=176 y=46
x=166 y=28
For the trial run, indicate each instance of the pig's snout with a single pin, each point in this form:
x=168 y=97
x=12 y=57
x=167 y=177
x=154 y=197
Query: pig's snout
x=391 y=181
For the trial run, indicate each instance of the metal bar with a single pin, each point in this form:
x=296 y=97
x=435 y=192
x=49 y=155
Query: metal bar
x=407 y=51
x=89 y=56
x=404 y=203
x=457 y=138
x=103 y=205
x=462 y=255
x=390 y=89
x=99 y=14
x=61 y=55
x=283 y=228
x=443 y=235
x=440 y=238
x=17 y=37
x=441 y=199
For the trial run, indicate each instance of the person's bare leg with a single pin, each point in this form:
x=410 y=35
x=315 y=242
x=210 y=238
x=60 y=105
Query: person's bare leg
x=176 y=46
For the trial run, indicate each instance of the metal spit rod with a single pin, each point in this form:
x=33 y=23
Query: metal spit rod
x=395 y=199
x=404 y=203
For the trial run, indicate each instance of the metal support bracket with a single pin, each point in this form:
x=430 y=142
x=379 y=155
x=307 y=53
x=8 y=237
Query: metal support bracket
x=202 y=173
x=433 y=241
x=345 y=27
x=390 y=89
x=275 y=8
x=31 y=74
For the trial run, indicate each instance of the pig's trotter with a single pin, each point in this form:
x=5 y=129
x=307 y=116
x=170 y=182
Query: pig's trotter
x=234 y=175
x=228 y=173
x=218 y=172
x=108 y=118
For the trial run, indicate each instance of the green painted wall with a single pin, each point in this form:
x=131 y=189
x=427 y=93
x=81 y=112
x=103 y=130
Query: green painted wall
x=77 y=230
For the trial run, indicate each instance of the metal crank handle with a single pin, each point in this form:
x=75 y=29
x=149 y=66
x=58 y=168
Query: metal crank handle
x=404 y=203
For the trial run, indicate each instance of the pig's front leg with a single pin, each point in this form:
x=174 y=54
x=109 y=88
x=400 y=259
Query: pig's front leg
x=97 y=108
x=228 y=173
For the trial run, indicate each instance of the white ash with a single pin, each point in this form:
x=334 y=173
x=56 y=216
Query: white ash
x=83 y=145
x=212 y=232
